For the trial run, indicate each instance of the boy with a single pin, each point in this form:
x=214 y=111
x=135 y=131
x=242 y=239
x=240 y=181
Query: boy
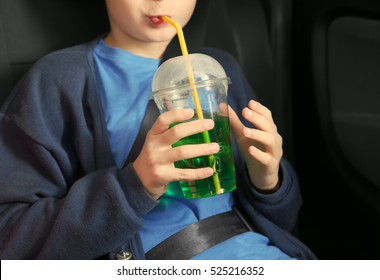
x=69 y=188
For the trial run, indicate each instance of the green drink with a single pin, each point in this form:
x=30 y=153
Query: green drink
x=199 y=82
x=223 y=162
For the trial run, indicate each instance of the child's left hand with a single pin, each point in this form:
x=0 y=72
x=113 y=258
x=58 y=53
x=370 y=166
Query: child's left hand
x=261 y=146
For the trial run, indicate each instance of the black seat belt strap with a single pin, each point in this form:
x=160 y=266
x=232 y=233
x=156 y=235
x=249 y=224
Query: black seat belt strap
x=198 y=237
x=151 y=116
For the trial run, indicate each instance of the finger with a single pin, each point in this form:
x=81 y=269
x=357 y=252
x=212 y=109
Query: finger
x=192 y=151
x=260 y=156
x=187 y=175
x=269 y=141
x=260 y=109
x=185 y=129
x=166 y=119
x=257 y=120
x=263 y=111
x=263 y=122
x=223 y=109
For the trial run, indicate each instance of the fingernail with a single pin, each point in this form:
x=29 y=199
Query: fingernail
x=209 y=172
x=215 y=147
x=208 y=123
x=189 y=112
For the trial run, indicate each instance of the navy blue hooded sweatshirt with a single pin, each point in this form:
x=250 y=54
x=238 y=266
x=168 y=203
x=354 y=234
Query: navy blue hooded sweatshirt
x=61 y=194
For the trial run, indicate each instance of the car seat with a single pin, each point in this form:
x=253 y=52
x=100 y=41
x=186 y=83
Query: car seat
x=31 y=29
x=337 y=131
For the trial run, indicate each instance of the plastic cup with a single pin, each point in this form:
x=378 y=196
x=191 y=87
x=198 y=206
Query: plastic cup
x=173 y=88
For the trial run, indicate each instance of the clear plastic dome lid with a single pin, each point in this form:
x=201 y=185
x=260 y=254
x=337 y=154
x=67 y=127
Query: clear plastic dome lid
x=173 y=74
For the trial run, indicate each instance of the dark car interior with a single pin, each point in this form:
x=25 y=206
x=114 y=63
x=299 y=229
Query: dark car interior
x=314 y=63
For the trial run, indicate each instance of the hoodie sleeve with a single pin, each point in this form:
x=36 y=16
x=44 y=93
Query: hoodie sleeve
x=60 y=195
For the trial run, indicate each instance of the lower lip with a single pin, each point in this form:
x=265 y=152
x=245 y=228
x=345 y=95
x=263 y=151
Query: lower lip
x=158 y=21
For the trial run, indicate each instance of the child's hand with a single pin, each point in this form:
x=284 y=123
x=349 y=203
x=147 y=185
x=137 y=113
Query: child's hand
x=155 y=164
x=261 y=146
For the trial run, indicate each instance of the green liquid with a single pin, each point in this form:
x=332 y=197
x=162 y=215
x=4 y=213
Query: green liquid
x=224 y=162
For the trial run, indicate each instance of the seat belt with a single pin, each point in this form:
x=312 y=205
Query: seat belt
x=150 y=117
x=200 y=236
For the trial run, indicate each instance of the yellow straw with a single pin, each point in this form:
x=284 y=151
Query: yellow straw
x=198 y=108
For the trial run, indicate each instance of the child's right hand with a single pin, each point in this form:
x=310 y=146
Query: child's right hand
x=155 y=164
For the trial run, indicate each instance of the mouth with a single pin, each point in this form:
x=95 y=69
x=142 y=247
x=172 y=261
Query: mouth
x=157 y=20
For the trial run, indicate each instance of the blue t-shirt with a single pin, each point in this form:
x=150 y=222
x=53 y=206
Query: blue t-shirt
x=125 y=82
